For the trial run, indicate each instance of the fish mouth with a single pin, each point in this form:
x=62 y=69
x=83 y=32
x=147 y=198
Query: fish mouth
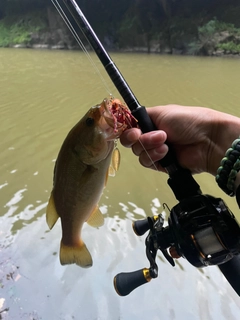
x=108 y=122
x=115 y=118
x=105 y=109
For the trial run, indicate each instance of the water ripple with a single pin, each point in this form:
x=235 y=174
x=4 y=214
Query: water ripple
x=43 y=94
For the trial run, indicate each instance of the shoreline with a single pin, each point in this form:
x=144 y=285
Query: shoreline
x=140 y=50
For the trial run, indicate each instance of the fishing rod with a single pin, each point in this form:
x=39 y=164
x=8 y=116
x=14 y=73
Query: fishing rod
x=169 y=162
x=200 y=228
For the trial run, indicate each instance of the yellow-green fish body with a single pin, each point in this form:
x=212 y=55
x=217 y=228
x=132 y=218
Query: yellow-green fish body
x=80 y=175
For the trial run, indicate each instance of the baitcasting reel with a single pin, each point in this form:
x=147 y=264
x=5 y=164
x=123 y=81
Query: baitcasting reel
x=201 y=229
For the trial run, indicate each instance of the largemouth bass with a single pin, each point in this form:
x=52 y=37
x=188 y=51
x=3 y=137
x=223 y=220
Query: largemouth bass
x=80 y=174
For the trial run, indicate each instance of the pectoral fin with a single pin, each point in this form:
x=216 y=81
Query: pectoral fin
x=96 y=219
x=51 y=213
x=77 y=254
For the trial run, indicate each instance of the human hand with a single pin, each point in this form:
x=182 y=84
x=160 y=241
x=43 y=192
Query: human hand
x=198 y=136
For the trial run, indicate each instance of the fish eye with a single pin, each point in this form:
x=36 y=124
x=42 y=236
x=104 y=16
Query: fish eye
x=89 y=122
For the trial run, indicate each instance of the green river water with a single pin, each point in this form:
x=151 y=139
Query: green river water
x=42 y=95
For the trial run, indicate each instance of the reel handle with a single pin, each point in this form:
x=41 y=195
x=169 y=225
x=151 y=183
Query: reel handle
x=140 y=227
x=126 y=282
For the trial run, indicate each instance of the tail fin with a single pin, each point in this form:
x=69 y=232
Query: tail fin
x=77 y=254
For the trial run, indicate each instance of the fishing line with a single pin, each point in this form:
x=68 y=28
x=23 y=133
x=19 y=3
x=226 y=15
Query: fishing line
x=145 y=150
x=149 y=157
x=63 y=15
x=80 y=43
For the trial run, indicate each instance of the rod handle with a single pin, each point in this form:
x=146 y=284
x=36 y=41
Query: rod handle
x=176 y=173
x=126 y=282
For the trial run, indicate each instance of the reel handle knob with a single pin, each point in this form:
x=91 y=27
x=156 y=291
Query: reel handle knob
x=126 y=282
x=140 y=227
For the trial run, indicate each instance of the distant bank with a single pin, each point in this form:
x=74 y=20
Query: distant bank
x=39 y=30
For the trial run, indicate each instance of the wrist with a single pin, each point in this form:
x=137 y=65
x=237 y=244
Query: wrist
x=225 y=129
x=237 y=182
x=227 y=173
x=237 y=193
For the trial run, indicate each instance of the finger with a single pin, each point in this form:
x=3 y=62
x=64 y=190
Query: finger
x=153 y=139
x=129 y=137
x=148 y=141
x=150 y=157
